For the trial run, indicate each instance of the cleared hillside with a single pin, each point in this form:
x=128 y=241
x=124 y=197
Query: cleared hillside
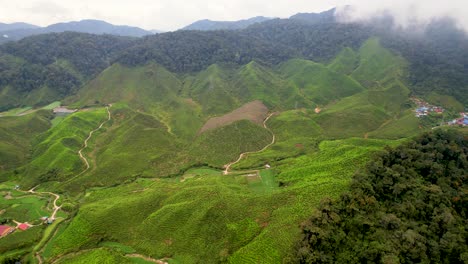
x=255 y=111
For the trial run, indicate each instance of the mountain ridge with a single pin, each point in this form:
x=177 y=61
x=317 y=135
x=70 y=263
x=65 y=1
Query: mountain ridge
x=91 y=26
x=292 y=109
x=207 y=24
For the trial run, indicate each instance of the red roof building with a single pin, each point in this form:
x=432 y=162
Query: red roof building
x=23 y=226
x=6 y=230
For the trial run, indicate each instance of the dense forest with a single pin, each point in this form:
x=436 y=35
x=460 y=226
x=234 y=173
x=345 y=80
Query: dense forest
x=410 y=205
x=438 y=58
x=64 y=62
x=193 y=51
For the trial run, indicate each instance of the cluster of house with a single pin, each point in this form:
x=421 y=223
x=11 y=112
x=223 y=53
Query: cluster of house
x=461 y=121
x=424 y=108
x=6 y=230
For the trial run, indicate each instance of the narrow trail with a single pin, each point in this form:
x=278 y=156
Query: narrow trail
x=57 y=197
x=39 y=258
x=146 y=258
x=53 y=216
x=80 y=152
x=73 y=254
x=242 y=155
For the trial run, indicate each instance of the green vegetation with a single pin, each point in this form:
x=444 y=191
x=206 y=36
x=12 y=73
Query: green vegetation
x=16 y=135
x=318 y=83
x=220 y=146
x=446 y=101
x=19 y=240
x=408 y=205
x=154 y=185
x=405 y=126
x=157 y=218
x=26 y=209
x=55 y=153
x=101 y=255
x=41 y=69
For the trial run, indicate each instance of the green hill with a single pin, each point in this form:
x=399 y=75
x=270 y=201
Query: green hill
x=55 y=152
x=16 y=136
x=212 y=218
x=157 y=116
x=155 y=186
x=318 y=83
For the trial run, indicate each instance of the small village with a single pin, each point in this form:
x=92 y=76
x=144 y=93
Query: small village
x=6 y=229
x=425 y=109
x=461 y=121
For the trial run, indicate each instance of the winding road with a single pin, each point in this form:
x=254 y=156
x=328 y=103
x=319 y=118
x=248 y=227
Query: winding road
x=158 y=261
x=242 y=155
x=57 y=197
x=80 y=152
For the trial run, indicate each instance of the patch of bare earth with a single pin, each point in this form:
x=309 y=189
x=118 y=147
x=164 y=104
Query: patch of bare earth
x=254 y=111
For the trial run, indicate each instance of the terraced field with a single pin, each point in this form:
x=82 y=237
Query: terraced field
x=142 y=181
x=236 y=219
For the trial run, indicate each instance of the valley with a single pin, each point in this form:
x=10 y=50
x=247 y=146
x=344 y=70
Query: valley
x=204 y=146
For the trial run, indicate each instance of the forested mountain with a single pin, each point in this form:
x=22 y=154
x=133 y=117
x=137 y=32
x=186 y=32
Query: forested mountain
x=441 y=51
x=214 y=146
x=53 y=65
x=16 y=26
x=316 y=18
x=192 y=51
x=17 y=32
x=409 y=205
x=207 y=24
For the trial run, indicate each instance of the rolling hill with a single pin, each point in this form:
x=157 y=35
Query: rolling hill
x=201 y=146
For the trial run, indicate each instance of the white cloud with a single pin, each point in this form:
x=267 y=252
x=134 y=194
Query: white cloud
x=174 y=14
x=407 y=12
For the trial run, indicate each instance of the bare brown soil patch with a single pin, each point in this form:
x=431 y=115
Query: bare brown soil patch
x=254 y=111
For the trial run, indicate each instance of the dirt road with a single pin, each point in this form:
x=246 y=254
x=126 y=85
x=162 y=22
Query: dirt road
x=228 y=166
x=57 y=197
x=80 y=152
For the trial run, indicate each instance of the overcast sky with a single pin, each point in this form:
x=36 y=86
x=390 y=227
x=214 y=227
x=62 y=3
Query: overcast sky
x=174 y=14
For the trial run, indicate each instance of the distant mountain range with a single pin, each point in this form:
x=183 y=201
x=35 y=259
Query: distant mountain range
x=17 y=31
x=315 y=18
x=206 y=24
x=310 y=18
x=16 y=26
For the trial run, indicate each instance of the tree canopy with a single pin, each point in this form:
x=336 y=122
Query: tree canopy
x=409 y=205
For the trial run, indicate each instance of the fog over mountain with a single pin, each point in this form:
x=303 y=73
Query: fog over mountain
x=406 y=13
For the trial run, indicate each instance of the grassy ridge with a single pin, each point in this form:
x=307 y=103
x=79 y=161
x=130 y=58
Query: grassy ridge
x=127 y=149
x=155 y=194
x=231 y=221
x=16 y=133
x=220 y=146
x=318 y=83
x=55 y=153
